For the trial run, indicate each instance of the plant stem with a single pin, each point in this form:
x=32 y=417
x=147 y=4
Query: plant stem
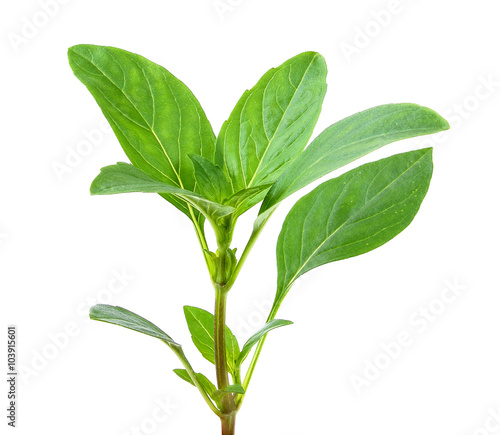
x=255 y=358
x=250 y=370
x=257 y=229
x=220 y=338
x=221 y=289
x=180 y=354
x=222 y=284
x=228 y=424
x=251 y=241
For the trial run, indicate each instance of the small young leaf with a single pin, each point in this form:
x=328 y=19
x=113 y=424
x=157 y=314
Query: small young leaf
x=122 y=317
x=247 y=198
x=235 y=388
x=350 y=139
x=207 y=385
x=350 y=215
x=125 y=178
x=272 y=122
x=156 y=118
x=201 y=327
x=254 y=339
x=184 y=375
x=211 y=182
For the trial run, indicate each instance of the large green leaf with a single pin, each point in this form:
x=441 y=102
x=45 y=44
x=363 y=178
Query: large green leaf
x=201 y=326
x=254 y=339
x=352 y=214
x=350 y=139
x=122 y=317
x=156 y=118
x=125 y=178
x=272 y=122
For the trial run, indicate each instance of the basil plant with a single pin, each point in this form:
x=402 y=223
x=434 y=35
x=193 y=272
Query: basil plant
x=259 y=157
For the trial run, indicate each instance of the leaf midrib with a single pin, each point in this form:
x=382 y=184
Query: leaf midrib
x=291 y=281
x=136 y=109
x=304 y=169
x=282 y=117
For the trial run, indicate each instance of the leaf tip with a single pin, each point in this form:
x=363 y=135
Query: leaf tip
x=187 y=309
x=96 y=187
x=96 y=310
x=440 y=123
x=445 y=124
x=76 y=50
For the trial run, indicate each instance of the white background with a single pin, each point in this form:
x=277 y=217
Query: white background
x=60 y=247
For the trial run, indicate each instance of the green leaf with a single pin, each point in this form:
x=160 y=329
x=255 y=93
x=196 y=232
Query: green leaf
x=207 y=385
x=235 y=388
x=184 y=375
x=201 y=326
x=125 y=178
x=350 y=139
x=122 y=317
x=211 y=181
x=254 y=339
x=156 y=118
x=352 y=214
x=272 y=122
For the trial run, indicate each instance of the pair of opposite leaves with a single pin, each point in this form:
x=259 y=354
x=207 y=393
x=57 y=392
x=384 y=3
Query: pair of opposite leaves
x=259 y=155
x=201 y=326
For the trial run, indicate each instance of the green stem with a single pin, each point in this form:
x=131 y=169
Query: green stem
x=199 y=232
x=221 y=290
x=180 y=354
x=220 y=338
x=251 y=242
x=255 y=358
x=222 y=286
x=257 y=229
